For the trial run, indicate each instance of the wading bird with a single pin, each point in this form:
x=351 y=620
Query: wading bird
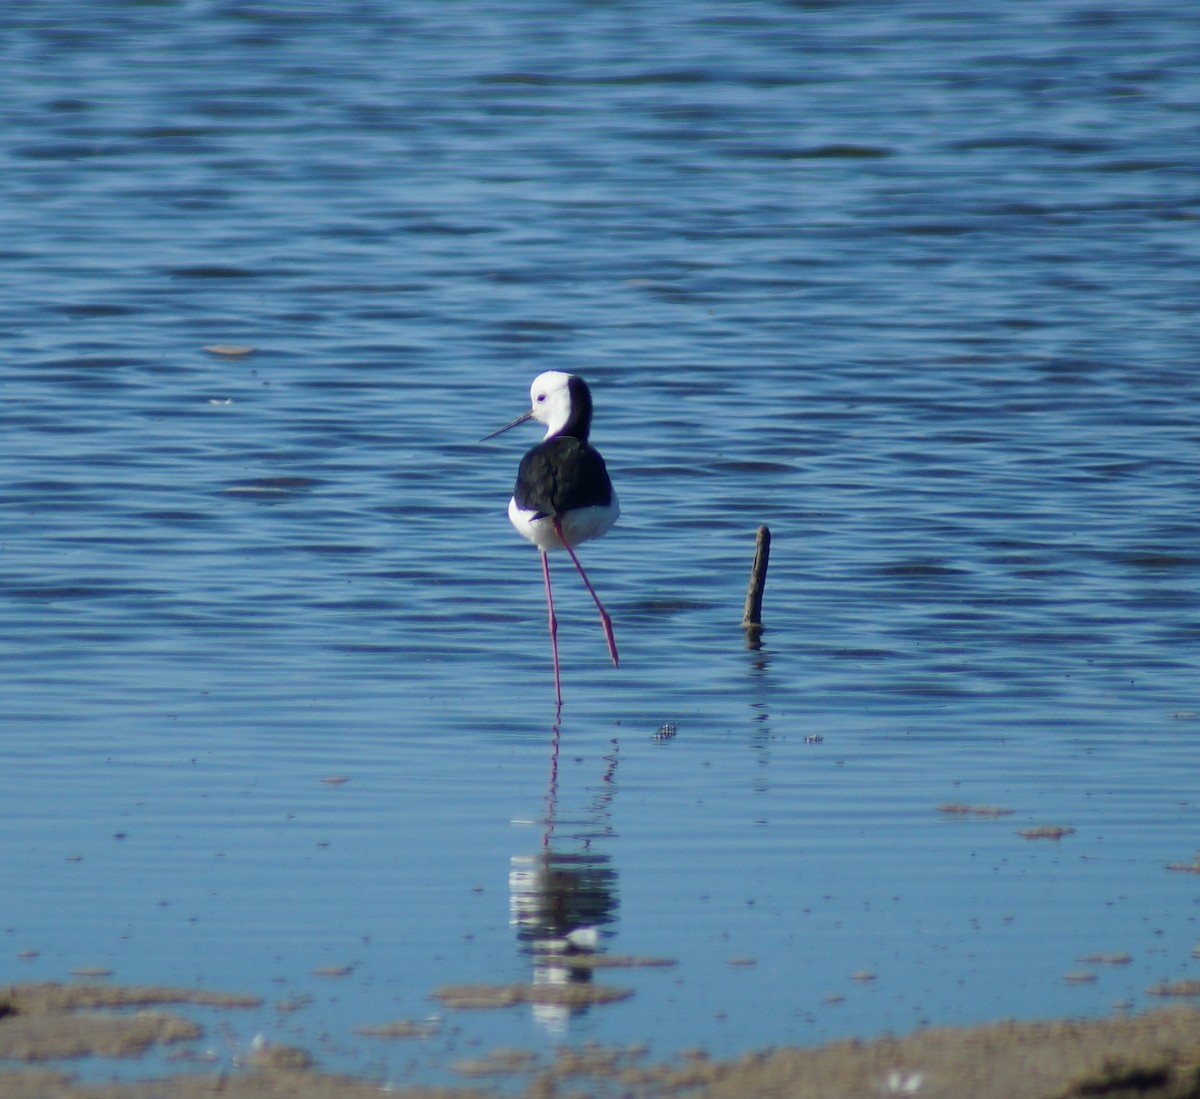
x=563 y=495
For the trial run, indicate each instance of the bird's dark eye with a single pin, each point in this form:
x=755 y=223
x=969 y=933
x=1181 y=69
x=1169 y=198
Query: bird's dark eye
x=541 y=397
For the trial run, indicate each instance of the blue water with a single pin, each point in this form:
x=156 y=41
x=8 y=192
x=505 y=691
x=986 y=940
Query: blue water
x=914 y=288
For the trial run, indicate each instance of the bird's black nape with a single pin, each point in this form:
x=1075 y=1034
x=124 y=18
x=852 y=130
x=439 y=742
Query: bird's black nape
x=579 y=423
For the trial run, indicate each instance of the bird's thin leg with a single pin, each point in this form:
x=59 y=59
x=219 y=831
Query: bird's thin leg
x=553 y=627
x=604 y=618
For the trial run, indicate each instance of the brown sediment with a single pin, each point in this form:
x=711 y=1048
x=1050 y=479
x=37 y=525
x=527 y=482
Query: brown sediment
x=53 y=1021
x=1154 y=1055
x=1175 y=988
x=49 y=996
x=55 y=1037
x=50 y=1021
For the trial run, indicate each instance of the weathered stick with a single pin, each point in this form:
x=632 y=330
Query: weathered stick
x=752 y=615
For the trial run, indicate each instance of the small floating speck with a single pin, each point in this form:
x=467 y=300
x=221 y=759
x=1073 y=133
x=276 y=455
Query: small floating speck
x=335 y=780
x=862 y=975
x=665 y=731
x=333 y=971
x=220 y=400
x=1045 y=832
x=28 y=954
x=500 y=1062
x=91 y=971
x=1117 y=958
x=1079 y=977
x=229 y=350
x=400 y=1028
x=963 y=809
x=814 y=738
x=742 y=960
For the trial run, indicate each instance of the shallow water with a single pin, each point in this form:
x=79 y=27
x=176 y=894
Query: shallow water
x=915 y=290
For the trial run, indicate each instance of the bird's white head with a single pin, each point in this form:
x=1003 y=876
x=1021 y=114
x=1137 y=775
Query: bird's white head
x=561 y=401
x=551 y=400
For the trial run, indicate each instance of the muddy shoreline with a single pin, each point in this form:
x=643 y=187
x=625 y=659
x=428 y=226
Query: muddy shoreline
x=43 y=1025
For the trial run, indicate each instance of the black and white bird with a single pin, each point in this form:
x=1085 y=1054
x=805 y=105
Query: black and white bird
x=563 y=495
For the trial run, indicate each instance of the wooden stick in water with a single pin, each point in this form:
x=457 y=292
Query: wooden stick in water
x=752 y=615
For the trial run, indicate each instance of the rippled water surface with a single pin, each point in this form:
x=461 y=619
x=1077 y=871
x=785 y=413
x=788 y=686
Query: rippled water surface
x=915 y=289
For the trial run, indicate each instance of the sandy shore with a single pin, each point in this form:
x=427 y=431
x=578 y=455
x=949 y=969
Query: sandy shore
x=1155 y=1054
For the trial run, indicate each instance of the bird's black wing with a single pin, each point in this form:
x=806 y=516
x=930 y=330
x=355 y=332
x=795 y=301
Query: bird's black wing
x=561 y=474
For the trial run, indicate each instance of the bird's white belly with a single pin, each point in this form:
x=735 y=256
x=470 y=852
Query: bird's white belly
x=578 y=524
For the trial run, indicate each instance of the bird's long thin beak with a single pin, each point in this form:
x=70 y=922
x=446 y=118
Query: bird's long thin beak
x=502 y=430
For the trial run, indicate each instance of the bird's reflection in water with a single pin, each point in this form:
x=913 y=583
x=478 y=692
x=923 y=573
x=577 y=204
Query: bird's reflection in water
x=564 y=896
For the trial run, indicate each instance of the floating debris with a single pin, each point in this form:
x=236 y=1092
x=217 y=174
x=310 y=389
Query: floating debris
x=1079 y=977
x=665 y=731
x=499 y=1062
x=401 y=1028
x=742 y=960
x=91 y=971
x=229 y=350
x=1192 y=867
x=1120 y=958
x=460 y=997
x=1045 y=832
x=605 y=961
x=333 y=971
x=961 y=808
x=335 y=780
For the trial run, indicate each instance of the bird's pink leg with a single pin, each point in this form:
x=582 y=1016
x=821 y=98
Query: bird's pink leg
x=605 y=621
x=553 y=627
